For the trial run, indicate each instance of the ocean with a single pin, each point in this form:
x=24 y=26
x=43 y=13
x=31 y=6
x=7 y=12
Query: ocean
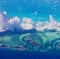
x=35 y=11
x=15 y=54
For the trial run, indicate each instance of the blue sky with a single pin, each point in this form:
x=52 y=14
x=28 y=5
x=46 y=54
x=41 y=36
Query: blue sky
x=31 y=8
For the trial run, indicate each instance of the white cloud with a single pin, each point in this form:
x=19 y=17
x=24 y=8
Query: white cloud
x=58 y=27
x=15 y=20
x=14 y=23
x=5 y=13
x=3 y=22
x=39 y=26
x=26 y=26
x=27 y=20
x=27 y=23
x=11 y=21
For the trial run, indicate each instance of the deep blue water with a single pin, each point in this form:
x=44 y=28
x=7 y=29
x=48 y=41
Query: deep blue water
x=14 y=54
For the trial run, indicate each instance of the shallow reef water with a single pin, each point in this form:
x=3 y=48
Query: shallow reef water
x=39 y=41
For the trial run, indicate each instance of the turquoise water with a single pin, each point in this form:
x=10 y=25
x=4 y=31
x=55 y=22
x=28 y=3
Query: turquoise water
x=34 y=9
x=30 y=41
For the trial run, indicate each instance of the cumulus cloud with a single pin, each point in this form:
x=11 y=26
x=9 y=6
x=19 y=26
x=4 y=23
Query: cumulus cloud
x=26 y=26
x=27 y=20
x=3 y=22
x=15 y=20
x=39 y=26
x=5 y=13
x=14 y=23
x=27 y=23
x=53 y=24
